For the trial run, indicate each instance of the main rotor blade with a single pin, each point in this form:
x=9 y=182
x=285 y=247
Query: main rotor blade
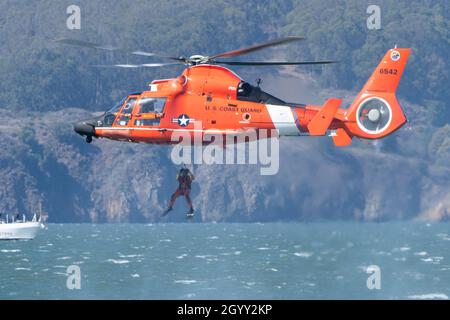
x=85 y=44
x=133 y=66
x=273 y=63
x=256 y=47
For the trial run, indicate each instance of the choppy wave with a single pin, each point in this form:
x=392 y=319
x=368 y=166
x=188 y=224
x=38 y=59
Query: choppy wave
x=429 y=296
x=303 y=254
x=118 y=261
x=130 y=255
x=186 y=281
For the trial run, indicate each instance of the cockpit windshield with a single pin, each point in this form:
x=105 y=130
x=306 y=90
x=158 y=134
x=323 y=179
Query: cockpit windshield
x=148 y=109
x=111 y=114
x=117 y=107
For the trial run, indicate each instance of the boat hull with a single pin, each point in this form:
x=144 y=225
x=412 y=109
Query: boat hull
x=19 y=231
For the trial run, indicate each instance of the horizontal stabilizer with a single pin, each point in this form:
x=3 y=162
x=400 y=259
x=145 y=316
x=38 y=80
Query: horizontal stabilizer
x=318 y=126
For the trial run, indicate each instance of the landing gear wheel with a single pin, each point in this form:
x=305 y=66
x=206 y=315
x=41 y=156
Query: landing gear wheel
x=88 y=139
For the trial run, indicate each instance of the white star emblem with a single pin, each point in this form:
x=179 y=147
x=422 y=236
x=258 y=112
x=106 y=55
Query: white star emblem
x=183 y=120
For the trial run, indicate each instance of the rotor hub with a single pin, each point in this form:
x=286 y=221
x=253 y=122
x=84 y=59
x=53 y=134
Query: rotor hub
x=374 y=115
x=198 y=59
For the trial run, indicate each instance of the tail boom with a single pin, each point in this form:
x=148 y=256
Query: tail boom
x=375 y=112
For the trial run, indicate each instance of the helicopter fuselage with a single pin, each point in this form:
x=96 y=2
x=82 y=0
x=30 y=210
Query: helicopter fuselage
x=211 y=99
x=208 y=98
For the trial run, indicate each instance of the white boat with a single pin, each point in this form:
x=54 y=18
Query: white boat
x=20 y=229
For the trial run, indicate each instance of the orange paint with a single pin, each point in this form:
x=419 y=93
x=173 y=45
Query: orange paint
x=210 y=94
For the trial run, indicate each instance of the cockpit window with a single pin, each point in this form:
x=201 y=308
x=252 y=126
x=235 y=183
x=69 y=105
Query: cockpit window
x=125 y=114
x=117 y=107
x=148 y=110
x=149 y=105
x=111 y=114
x=115 y=113
x=129 y=106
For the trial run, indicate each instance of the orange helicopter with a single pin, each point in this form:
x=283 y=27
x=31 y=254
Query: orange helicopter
x=218 y=100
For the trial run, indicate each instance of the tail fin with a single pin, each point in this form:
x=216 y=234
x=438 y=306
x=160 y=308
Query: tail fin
x=375 y=112
x=386 y=76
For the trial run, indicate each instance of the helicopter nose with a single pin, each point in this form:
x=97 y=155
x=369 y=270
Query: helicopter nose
x=84 y=128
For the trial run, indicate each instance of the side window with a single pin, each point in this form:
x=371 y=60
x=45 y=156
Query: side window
x=125 y=114
x=152 y=105
x=149 y=112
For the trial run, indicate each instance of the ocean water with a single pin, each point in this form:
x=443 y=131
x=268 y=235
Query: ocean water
x=230 y=261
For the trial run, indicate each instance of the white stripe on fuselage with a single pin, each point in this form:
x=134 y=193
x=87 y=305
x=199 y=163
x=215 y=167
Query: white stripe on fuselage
x=283 y=120
x=212 y=131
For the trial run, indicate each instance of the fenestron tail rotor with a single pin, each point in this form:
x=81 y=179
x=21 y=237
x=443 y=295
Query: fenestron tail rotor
x=374 y=115
x=197 y=59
